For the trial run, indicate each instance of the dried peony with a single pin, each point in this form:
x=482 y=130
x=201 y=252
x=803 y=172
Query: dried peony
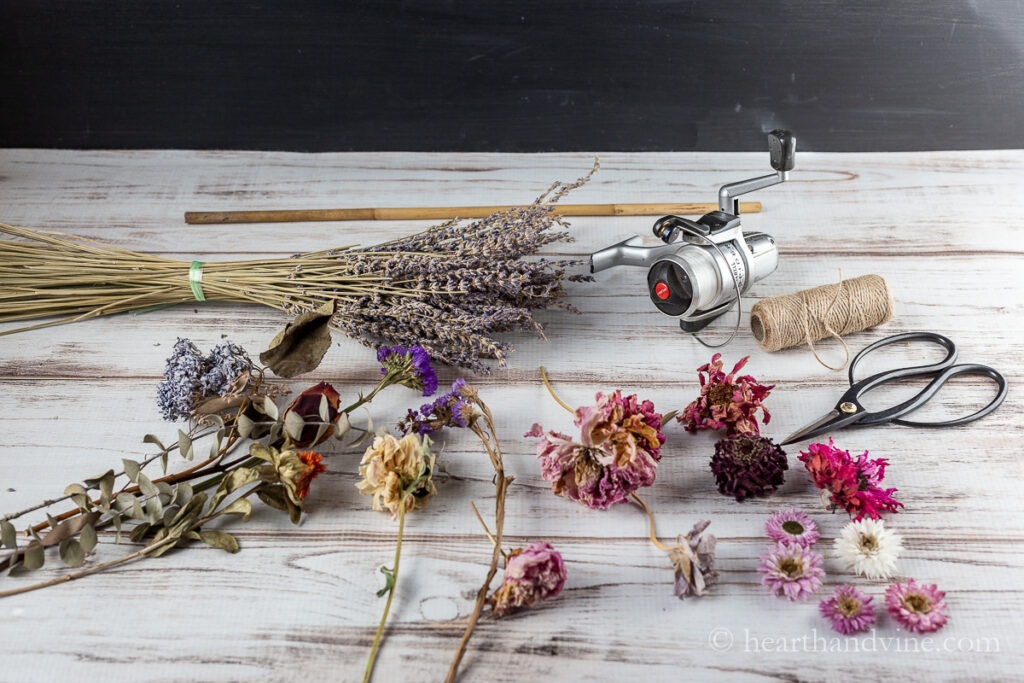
x=726 y=401
x=849 y=609
x=869 y=549
x=851 y=485
x=532 y=574
x=748 y=465
x=410 y=366
x=918 y=608
x=693 y=560
x=618 y=452
x=307 y=406
x=448 y=410
x=393 y=469
x=791 y=526
x=791 y=570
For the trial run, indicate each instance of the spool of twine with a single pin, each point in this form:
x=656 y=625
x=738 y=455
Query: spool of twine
x=827 y=311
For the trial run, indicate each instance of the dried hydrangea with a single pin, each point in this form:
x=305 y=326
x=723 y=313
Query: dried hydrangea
x=869 y=549
x=726 y=401
x=532 y=574
x=190 y=377
x=916 y=607
x=393 y=470
x=410 y=366
x=448 y=410
x=849 y=610
x=693 y=560
x=792 y=526
x=852 y=485
x=618 y=451
x=748 y=465
x=791 y=570
x=225 y=363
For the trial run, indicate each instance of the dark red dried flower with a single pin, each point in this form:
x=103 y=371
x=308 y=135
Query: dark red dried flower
x=307 y=406
x=747 y=465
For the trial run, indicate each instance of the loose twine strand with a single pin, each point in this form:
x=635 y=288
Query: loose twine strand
x=827 y=311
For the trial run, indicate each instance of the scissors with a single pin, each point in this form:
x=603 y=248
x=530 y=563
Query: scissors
x=849 y=411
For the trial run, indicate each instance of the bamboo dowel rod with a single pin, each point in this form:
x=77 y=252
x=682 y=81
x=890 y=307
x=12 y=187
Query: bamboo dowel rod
x=445 y=212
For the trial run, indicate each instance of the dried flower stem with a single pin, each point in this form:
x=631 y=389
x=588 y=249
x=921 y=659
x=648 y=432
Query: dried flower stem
x=650 y=515
x=394 y=584
x=484 y=525
x=544 y=376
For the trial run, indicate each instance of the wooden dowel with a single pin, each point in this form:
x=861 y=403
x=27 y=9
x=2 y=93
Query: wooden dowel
x=445 y=212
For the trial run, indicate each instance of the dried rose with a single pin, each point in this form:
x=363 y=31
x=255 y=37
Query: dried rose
x=307 y=406
x=532 y=574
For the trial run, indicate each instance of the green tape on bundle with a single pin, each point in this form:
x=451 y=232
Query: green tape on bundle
x=195 y=280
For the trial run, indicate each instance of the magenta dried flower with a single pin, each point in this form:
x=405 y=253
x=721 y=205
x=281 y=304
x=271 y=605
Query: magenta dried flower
x=918 y=608
x=618 y=452
x=791 y=570
x=410 y=366
x=726 y=401
x=849 y=609
x=792 y=526
x=532 y=574
x=850 y=484
x=748 y=465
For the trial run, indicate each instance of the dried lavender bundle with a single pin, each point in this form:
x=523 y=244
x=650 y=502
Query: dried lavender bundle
x=451 y=288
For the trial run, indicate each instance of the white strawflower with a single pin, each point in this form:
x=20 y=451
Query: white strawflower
x=869 y=549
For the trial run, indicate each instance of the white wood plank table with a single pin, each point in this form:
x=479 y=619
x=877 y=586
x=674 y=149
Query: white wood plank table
x=297 y=603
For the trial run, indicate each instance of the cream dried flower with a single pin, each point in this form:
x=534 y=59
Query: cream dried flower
x=390 y=467
x=868 y=548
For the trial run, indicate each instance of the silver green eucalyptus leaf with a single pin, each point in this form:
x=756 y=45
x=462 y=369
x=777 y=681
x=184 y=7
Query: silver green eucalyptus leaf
x=8 y=535
x=242 y=507
x=270 y=408
x=152 y=438
x=154 y=510
x=325 y=409
x=245 y=426
x=182 y=493
x=342 y=426
x=147 y=487
x=165 y=490
x=71 y=552
x=51 y=521
x=87 y=538
x=184 y=445
x=131 y=469
x=139 y=532
x=293 y=425
x=34 y=555
x=219 y=539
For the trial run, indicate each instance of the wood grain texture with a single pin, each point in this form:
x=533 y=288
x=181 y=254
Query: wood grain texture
x=298 y=602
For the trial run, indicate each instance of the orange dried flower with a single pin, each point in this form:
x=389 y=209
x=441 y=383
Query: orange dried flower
x=314 y=465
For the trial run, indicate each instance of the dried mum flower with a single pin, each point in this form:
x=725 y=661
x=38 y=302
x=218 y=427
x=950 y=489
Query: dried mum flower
x=307 y=406
x=726 y=401
x=448 y=410
x=792 y=526
x=619 y=449
x=791 y=570
x=748 y=465
x=869 y=549
x=410 y=366
x=851 y=485
x=849 y=609
x=293 y=470
x=390 y=467
x=918 y=608
x=693 y=560
x=532 y=574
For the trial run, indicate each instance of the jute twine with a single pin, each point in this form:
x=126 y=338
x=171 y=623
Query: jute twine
x=827 y=311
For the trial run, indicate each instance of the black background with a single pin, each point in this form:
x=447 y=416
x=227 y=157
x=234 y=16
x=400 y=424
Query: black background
x=493 y=75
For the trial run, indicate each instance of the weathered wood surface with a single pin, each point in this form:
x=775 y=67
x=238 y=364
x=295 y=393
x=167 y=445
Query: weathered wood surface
x=298 y=602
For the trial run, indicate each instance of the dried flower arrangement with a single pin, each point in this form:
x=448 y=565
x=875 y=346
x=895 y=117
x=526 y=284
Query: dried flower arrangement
x=448 y=289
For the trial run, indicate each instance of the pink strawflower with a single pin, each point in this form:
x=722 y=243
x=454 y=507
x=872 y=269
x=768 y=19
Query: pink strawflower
x=532 y=574
x=726 y=401
x=851 y=485
x=618 y=451
x=849 y=609
x=792 y=526
x=791 y=570
x=918 y=608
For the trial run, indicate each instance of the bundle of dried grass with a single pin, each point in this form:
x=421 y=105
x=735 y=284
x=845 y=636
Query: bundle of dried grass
x=450 y=288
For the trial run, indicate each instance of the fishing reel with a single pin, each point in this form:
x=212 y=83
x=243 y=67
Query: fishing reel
x=706 y=265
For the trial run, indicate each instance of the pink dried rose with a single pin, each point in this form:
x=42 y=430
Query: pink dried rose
x=618 y=451
x=791 y=570
x=850 y=484
x=918 y=608
x=532 y=574
x=726 y=401
x=849 y=609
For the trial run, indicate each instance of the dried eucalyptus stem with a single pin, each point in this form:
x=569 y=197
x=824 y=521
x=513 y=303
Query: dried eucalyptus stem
x=501 y=483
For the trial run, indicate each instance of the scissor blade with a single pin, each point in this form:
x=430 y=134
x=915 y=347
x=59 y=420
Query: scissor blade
x=819 y=426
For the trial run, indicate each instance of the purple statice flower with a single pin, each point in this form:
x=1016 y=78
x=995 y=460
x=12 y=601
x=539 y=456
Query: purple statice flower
x=918 y=608
x=748 y=465
x=791 y=570
x=448 y=410
x=410 y=366
x=792 y=526
x=177 y=393
x=224 y=364
x=532 y=574
x=849 y=609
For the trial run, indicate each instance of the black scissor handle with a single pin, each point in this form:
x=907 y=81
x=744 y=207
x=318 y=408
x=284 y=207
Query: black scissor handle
x=917 y=370
x=936 y=384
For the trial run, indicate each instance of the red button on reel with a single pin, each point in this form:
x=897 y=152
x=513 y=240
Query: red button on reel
x=661 y=290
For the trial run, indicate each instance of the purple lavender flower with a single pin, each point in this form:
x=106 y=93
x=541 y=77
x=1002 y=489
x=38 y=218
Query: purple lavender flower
x=410 y=366
x=849 y=609
x=791 y=570
x=792 y=526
